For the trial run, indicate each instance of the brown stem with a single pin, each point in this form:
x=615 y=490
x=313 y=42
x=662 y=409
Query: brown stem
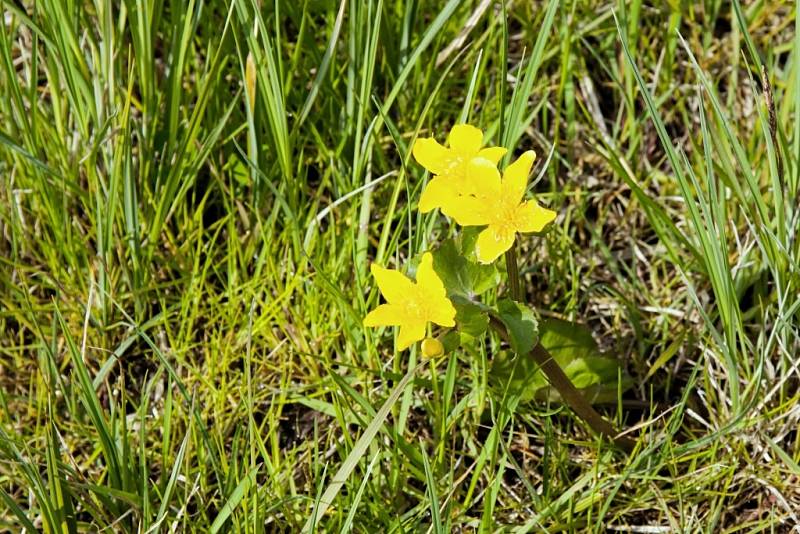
x=570 y=395
x=512 y=268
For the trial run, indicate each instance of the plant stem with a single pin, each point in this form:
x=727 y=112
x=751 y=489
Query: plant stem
x=513 y=273
x=569 y=394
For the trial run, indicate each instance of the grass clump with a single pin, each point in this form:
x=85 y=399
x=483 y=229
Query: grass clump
x=192 y=193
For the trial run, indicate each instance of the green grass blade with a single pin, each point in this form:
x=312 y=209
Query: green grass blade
x=234 y=499
x=359 y=449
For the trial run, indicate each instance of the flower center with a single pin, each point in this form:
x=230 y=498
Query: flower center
x=415 y=306
x=504 y=218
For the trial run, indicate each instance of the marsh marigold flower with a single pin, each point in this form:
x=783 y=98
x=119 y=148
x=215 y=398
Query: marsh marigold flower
x=411 y=305
x=449 y=165
x=499 y=206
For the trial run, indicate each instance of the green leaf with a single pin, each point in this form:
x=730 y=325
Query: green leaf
x=464 y=280
x=466 y=241
x=596 y=377
x=518 y=374
x=460 y=275
x=567 y=341
x=585 y=372
x=575 y=350
x=471 y=317
x=521 y=324
x=451 y=341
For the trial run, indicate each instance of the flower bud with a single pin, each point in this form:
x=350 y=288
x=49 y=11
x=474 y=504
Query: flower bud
x=250 y=80
x=432 y=348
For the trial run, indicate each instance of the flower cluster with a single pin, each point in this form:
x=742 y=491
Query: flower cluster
x=467 y=187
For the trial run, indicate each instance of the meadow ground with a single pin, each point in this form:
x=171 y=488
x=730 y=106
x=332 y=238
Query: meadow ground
x=191 y=194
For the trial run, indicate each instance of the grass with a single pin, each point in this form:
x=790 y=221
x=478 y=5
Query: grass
x=192 y=193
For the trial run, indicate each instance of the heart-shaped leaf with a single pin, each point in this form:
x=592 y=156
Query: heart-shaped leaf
x=451 y=341
x=598 y=377
x=567 y=341
x=460 y=275
x=523 y=331
x=472 y=318
x=518 y=374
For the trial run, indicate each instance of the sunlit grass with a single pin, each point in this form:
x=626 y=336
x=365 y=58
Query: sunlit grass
x=184 y=264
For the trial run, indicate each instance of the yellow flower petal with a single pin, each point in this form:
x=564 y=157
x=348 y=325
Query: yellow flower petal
x=409 y=334
x=465 y=139
x=394 y=286
x=493 y=154
x=432 y=155
x=385 y=315
x=483 y=178
x=442 y=312
x=531 y=217
x=427 y=279
x=469 y=211
x=492 y=243
x=440 y=191
x=515 y=177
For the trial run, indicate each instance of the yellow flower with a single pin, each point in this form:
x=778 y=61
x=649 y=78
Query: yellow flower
x=449 y=165
x=411 y=305
x=499 y=206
